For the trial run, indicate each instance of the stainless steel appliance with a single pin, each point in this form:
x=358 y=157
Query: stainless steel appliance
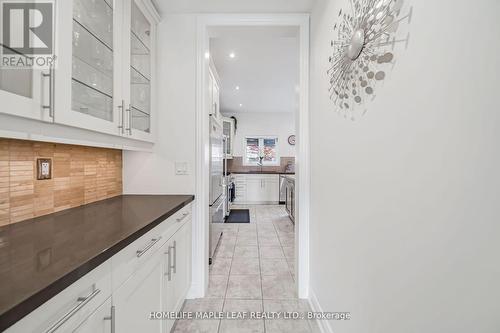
x=282 y=189
x=228 y=183
x=290 y=197
x=217 y=193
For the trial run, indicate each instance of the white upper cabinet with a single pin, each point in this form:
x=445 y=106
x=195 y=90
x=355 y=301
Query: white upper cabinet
x=229 y=132
x=88 y=88
x=21 y=92
x=103 y=80
x=138 y=78
x=24 y=90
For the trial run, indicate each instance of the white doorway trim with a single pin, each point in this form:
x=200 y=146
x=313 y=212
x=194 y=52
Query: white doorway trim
x=200 y=227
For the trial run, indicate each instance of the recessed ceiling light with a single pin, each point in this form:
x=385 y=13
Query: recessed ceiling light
x=237 y=88
x=232 y=55
x=207 y=55
x=241 y=105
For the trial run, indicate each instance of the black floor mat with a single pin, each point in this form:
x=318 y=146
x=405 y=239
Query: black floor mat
x=239 y=216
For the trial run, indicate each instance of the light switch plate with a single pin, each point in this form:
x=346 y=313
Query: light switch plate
x=44 y=168
x=181 y=168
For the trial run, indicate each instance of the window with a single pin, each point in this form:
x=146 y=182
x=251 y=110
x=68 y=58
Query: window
x=261 y=150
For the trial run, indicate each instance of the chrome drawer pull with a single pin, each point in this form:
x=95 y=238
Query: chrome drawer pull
x=174 y=266
x=139 y=253
x=168 y=274
x=183 y=217
x=112 y=318
x=51 y=76
x=82 y=301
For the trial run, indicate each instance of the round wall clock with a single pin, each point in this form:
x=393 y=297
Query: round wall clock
x=291 y=140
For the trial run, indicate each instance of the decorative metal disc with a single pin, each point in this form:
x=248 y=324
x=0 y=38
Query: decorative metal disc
x=364 y=50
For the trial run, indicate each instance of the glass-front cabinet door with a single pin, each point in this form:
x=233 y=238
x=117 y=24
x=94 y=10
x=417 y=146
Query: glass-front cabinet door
x=20 y=92
x=25 y=63
x=89 y=91
x=140 y=48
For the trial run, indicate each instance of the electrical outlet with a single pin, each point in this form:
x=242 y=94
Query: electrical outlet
x=181 y=168
x=44 y=168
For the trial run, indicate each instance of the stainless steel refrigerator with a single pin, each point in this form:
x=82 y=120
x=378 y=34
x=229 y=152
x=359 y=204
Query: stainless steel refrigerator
x=217 y=195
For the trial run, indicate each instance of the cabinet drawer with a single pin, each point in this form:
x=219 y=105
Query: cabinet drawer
x=128 y=260
x=71 y=306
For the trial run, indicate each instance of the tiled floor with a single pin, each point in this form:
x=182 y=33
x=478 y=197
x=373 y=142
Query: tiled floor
x=253 y=270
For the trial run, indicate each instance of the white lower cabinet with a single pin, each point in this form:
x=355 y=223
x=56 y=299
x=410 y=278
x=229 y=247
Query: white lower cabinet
x=153 y=274
x=137 y=297
x=257 y=188
x=254 y=190
x=71 y=307
x=177 y=273
x=98 y=322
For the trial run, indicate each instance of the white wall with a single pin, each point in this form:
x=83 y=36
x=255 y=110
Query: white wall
x=154 y=173
x=281 y=124
x=405 y=214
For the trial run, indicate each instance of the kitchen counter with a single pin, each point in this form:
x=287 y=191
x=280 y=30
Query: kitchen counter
x=41 y=257
x=262 y=173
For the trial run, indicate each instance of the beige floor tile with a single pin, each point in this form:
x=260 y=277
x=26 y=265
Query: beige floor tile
x=247 y=241
x=196 y=326
x=271 y=252
x=248 y=248
x=289 y=252
x=220 y=266
x=269 y=242
x=245 y=266
x=217 y=286
x=244 y=287
x=225 y=251
x=199 y=326
x=246 y=252
x=242 y=325
x=287 y=325
x=278 y=287
x=274 y=267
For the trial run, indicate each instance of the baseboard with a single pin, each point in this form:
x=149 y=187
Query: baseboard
x=194 y=292
x=324 y=325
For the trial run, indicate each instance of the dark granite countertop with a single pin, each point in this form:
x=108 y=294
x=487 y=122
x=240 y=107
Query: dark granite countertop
x=262 y=173
x=41 y=257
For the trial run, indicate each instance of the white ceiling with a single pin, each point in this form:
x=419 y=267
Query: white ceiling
x=234 y=6
x=265 y=68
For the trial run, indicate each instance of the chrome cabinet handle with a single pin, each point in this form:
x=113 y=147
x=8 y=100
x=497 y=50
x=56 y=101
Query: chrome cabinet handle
x=51 y=76
x=82 y=301
x=122 y=122
x=168 y=274
x=129 y=125
x=140 y=253
x=174 y=266
x=112 y=318
x=180 y=219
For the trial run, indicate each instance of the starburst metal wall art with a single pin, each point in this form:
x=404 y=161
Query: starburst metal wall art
x=363 y=51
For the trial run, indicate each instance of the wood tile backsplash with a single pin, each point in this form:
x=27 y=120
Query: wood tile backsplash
x=80 y=175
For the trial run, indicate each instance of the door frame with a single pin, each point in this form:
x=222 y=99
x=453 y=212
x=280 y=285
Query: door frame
x=201 y=211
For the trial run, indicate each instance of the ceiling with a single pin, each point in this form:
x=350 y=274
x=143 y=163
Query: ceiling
x=265 y=67
x=234 y=6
